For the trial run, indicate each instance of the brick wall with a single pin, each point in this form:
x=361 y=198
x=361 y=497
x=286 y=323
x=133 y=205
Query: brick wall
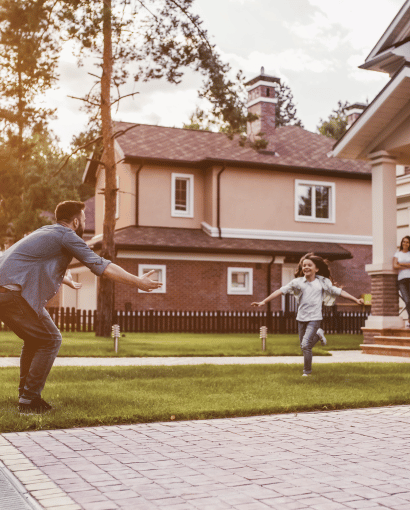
x=196 y=285
x=351 y=274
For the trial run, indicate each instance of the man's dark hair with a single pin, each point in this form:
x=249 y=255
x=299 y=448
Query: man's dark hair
x=68 y=210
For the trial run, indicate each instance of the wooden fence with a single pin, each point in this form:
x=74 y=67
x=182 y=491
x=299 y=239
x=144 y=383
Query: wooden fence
x=174 y=321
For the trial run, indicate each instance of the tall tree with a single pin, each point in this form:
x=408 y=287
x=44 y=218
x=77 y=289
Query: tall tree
x=160 y=39
x=28 y=67
x=28 y=191
x=336 y=125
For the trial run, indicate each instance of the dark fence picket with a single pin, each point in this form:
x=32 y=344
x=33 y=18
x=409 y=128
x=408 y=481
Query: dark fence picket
x=210 y=321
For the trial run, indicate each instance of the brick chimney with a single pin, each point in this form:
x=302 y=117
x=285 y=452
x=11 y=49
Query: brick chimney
x=262 y=102
x=353 y=112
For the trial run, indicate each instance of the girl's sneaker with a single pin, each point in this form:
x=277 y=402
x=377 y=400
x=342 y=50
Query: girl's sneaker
x=321 y=334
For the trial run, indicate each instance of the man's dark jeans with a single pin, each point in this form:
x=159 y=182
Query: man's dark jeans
x=42 y=341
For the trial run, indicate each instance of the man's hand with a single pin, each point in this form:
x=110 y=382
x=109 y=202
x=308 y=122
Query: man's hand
x=260 y=303
x=146 y=284
x=360 y=301
x=71 y=283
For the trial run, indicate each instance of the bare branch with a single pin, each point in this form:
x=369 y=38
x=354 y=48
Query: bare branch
x=145 y=7
x=67 y=158
x=117 y=134
x=123 y=131
x=95 y=75
x=85 y=100
x=122 y=97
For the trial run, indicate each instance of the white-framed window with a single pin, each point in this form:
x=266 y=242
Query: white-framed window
x=240 y=280
x=160 y=275
x=182 y=195
x=315 y=201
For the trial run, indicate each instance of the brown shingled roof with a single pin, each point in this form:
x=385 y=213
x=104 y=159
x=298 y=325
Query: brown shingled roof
x=195 y=240
x=290 y=146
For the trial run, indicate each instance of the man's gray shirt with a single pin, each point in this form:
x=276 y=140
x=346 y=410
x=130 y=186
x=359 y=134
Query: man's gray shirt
x=39 y=261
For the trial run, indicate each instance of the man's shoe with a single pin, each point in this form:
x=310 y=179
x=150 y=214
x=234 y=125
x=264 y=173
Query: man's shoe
x=37 y=405
x=321 y=334
x=306 y=375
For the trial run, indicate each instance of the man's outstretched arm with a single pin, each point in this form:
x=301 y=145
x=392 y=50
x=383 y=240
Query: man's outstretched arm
x=118 y=274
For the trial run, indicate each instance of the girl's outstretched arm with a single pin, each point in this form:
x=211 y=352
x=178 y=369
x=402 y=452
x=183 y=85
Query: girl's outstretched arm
x=269 y=298
x=352 y=298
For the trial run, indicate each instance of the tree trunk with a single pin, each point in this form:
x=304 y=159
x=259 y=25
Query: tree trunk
x=105 y=301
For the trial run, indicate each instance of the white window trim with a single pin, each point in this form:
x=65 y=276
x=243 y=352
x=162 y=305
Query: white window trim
x=235 y=290
x=332 y=207
x=189 y=213
x=149 y=267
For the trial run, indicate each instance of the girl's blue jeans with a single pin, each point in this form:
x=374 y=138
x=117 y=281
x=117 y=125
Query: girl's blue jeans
x=308 y=338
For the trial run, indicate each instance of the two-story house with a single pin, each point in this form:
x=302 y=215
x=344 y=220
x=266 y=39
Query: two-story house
x=225 y=224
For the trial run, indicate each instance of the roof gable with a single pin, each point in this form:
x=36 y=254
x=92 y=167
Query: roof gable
x=388 y=54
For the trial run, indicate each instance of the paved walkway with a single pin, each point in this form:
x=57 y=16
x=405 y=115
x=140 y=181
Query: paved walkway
x=337 y=357
x=352 y=459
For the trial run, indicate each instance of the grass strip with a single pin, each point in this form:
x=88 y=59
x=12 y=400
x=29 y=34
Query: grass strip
x=108 y=396
x=182 y=344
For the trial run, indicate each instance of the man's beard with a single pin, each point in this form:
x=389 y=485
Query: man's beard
x=79 y=231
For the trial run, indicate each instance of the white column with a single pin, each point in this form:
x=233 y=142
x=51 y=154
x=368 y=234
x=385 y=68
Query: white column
x=384 y=226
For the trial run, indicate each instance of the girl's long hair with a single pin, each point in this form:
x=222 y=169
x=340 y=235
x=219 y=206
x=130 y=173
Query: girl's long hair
x=320 y=263
x=401 y=242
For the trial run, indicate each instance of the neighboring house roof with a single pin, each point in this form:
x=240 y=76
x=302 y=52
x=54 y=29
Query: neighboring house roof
x=291 y=148
x=195 y=240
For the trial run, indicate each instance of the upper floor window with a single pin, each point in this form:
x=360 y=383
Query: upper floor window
x=315 y=201
x=182 y=199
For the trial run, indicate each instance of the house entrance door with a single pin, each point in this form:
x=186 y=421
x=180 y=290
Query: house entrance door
x=288 y=274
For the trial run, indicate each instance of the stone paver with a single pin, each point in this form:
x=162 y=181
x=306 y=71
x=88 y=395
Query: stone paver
x=336 y=357
x=351 y=459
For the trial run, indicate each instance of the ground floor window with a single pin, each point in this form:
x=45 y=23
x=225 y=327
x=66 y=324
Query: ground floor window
x=160 y=275
x=240 y=280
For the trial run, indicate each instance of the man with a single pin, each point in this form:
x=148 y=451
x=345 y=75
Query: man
x=31 y=272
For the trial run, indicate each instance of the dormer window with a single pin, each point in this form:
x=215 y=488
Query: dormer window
x=182 y=199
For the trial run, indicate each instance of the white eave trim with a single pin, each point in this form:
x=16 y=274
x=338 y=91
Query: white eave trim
x=272 y=100
x=282 y=235
x=371 y=110
x=261 y=82
x=390 y=29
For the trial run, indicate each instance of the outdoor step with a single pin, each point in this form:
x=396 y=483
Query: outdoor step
x=386 y=350
x=392 y=340
x=396 y=332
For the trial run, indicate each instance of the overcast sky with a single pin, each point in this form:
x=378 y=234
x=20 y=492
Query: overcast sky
x=315 y=46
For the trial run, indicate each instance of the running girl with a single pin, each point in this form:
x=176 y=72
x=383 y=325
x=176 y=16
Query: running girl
x=311 y=287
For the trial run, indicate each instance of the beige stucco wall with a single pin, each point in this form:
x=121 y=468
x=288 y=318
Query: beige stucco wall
x=127 y=178
x=265 y=200
x=99 y=201
x=250 y=199
x=155 y=197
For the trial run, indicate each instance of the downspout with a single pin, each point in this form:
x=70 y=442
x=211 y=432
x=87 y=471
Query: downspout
x=268 y=293
x=137 y=189
x=218 y=200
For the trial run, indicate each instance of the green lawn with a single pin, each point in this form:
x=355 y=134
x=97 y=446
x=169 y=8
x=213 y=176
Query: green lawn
x=183 y=344
x=107 y=396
